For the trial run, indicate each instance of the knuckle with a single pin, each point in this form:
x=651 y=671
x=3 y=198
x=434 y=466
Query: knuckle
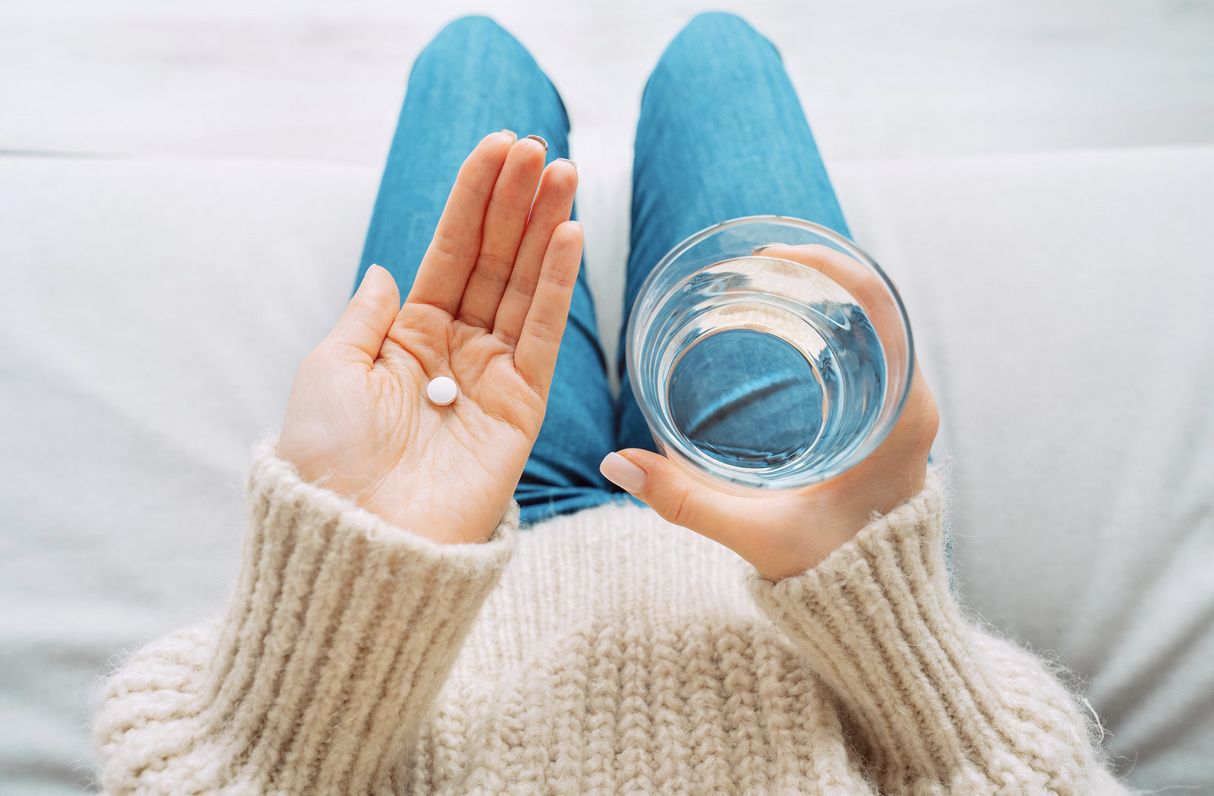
x=524 y=287
x=564 y=278
x=364 y=314
x=545 y=331
x=447 y=246
x=931 y=410
x=683 y=512
x=931 y=417
x=493 y=267
x=514 y=205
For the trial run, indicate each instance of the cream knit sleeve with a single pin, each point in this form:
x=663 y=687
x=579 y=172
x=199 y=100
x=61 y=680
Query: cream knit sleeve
x=935 y=705
x=341 y=631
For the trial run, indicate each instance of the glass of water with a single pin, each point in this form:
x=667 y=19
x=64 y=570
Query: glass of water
x=755 y=372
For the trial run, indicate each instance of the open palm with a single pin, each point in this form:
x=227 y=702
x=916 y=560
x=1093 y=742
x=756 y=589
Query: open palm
x=487 y=309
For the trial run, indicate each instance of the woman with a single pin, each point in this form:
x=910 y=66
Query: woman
x=393 y=631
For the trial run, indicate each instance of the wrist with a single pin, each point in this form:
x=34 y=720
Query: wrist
x=835 y=518
x=434 y=520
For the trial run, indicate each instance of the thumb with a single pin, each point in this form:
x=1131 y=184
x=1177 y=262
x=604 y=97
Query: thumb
x=674 y=495
x=361 y=330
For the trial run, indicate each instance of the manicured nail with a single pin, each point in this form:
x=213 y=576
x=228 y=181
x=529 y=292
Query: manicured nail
x=542 y=141
x=567 y=160
x=512 y=134
x=623 y=473
x=761 y=247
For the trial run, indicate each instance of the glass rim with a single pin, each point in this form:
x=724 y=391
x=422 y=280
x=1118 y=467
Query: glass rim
x=670 y=443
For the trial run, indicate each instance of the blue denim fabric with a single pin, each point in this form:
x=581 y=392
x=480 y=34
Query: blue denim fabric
x=721 y=135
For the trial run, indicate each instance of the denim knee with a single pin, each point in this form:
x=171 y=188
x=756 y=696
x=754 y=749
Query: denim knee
x=713 y=41
x=472 y=26
x=714 y=23
x=472 y=38
x=718 y=28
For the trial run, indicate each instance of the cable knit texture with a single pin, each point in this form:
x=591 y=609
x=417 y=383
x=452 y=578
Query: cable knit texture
x=614 y=654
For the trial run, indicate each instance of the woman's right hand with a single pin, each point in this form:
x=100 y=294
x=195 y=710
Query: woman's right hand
x=487 y=309
x=786 y=533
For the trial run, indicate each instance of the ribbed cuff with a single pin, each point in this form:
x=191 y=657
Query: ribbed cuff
x=339 y=636
x=928 y=697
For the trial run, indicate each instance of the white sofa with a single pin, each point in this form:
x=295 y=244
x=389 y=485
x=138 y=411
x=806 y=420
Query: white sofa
x=154 y=305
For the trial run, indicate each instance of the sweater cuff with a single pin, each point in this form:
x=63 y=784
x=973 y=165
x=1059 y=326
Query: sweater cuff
x=340 y=634
x=877 y=622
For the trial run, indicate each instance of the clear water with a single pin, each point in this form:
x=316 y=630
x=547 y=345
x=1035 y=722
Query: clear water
x=768 y=367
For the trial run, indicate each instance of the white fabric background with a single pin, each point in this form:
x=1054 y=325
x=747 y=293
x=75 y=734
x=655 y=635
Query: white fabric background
x=183 y=193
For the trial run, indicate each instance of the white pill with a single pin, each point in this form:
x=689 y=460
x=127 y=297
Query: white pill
x=442 y=391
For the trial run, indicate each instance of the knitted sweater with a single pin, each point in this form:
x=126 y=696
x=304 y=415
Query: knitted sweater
x=602 y=652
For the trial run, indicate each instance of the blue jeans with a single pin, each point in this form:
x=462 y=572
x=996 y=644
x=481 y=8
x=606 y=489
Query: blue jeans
x=721 y=135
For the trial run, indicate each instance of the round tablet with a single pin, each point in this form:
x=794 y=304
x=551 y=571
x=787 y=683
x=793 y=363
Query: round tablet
x=441 y=391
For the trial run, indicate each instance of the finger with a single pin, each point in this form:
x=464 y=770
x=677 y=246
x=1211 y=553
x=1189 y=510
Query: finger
x=676 y=496
x=540 y=339
x=912 y=437
x=360 y=332
x=553 y=204
x=864 y=284
x=505 y=220
x=452 y=253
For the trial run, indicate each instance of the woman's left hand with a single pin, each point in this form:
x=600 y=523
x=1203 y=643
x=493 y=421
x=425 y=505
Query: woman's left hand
x=785 y=534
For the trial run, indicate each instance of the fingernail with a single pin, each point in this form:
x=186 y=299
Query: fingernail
x=762 y=246
x=542 y=141
x=512 y=134
x=567 y=160
x=623 y=473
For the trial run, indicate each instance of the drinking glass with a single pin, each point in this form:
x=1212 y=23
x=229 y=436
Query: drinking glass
x=759 y=373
